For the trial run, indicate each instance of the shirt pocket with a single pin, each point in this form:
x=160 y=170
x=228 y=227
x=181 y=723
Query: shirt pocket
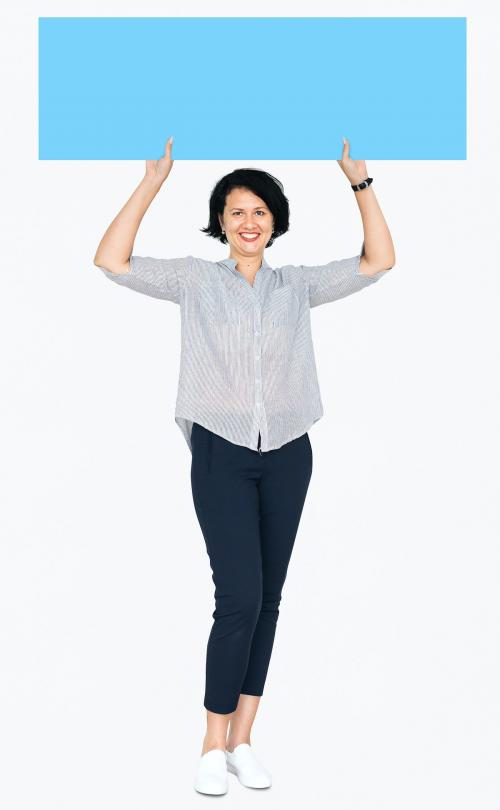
x=218 y=310
x=282 y=307
x=224 y=328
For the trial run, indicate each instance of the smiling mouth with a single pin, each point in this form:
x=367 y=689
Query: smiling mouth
x=248 y=238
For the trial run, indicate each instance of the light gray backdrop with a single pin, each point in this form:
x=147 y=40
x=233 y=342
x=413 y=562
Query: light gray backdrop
x=382 y=690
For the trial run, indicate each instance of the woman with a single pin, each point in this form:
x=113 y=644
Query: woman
x=248 y=393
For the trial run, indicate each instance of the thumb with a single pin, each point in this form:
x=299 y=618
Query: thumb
x=168 y=143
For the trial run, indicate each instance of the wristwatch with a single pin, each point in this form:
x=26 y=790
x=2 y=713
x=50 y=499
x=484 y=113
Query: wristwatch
x=364 y=184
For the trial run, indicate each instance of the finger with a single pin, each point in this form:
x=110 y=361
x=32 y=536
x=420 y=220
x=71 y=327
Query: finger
x=345 y=151
x=168 y=145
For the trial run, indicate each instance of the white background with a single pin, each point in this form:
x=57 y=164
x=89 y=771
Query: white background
x=382 y=691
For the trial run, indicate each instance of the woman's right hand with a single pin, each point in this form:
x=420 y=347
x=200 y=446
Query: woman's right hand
x=158 y=170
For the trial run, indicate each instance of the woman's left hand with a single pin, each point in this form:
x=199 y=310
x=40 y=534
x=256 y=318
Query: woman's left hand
x=354 y=170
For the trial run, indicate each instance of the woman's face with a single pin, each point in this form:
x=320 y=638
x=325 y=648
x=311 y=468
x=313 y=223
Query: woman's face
x=246 y=215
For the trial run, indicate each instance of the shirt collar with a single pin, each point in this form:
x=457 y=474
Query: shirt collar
x=231 y=263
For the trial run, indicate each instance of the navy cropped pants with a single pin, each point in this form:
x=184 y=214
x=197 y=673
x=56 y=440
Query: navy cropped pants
x=249 y=506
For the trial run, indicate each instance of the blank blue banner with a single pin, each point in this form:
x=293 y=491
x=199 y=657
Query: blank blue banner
x=252 y=88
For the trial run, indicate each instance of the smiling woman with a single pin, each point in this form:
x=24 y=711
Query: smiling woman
x=248 y=210
x=247 y=396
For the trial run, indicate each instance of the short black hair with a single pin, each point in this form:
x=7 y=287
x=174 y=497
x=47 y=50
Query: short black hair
x=263 y=185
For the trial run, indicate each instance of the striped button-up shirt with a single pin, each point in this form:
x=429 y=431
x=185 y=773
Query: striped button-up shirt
x=247 y=360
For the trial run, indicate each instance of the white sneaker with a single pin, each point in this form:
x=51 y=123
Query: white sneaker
x=211 y=776
x=243 y=762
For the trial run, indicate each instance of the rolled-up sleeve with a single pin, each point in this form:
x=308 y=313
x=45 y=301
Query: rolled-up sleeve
x=158 y=278
x=338 y=278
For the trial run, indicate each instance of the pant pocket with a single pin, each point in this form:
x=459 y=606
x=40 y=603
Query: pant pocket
x=209 y=450
x=201 y=443
x=310 y=448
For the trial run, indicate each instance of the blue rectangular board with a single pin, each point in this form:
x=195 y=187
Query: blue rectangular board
x=252 y=88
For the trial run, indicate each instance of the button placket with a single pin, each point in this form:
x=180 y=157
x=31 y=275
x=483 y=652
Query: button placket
x=256 y=292
x=257 y=363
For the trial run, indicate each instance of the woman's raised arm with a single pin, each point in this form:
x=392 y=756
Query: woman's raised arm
x=115 y=247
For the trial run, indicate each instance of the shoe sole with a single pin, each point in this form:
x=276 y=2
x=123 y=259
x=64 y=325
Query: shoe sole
x=211 y=792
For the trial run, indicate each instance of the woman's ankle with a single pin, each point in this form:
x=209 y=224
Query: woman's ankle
x=233 y=741
x=212 y=742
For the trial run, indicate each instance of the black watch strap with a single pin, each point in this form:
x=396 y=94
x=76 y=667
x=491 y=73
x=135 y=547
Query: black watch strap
x=362 y=185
